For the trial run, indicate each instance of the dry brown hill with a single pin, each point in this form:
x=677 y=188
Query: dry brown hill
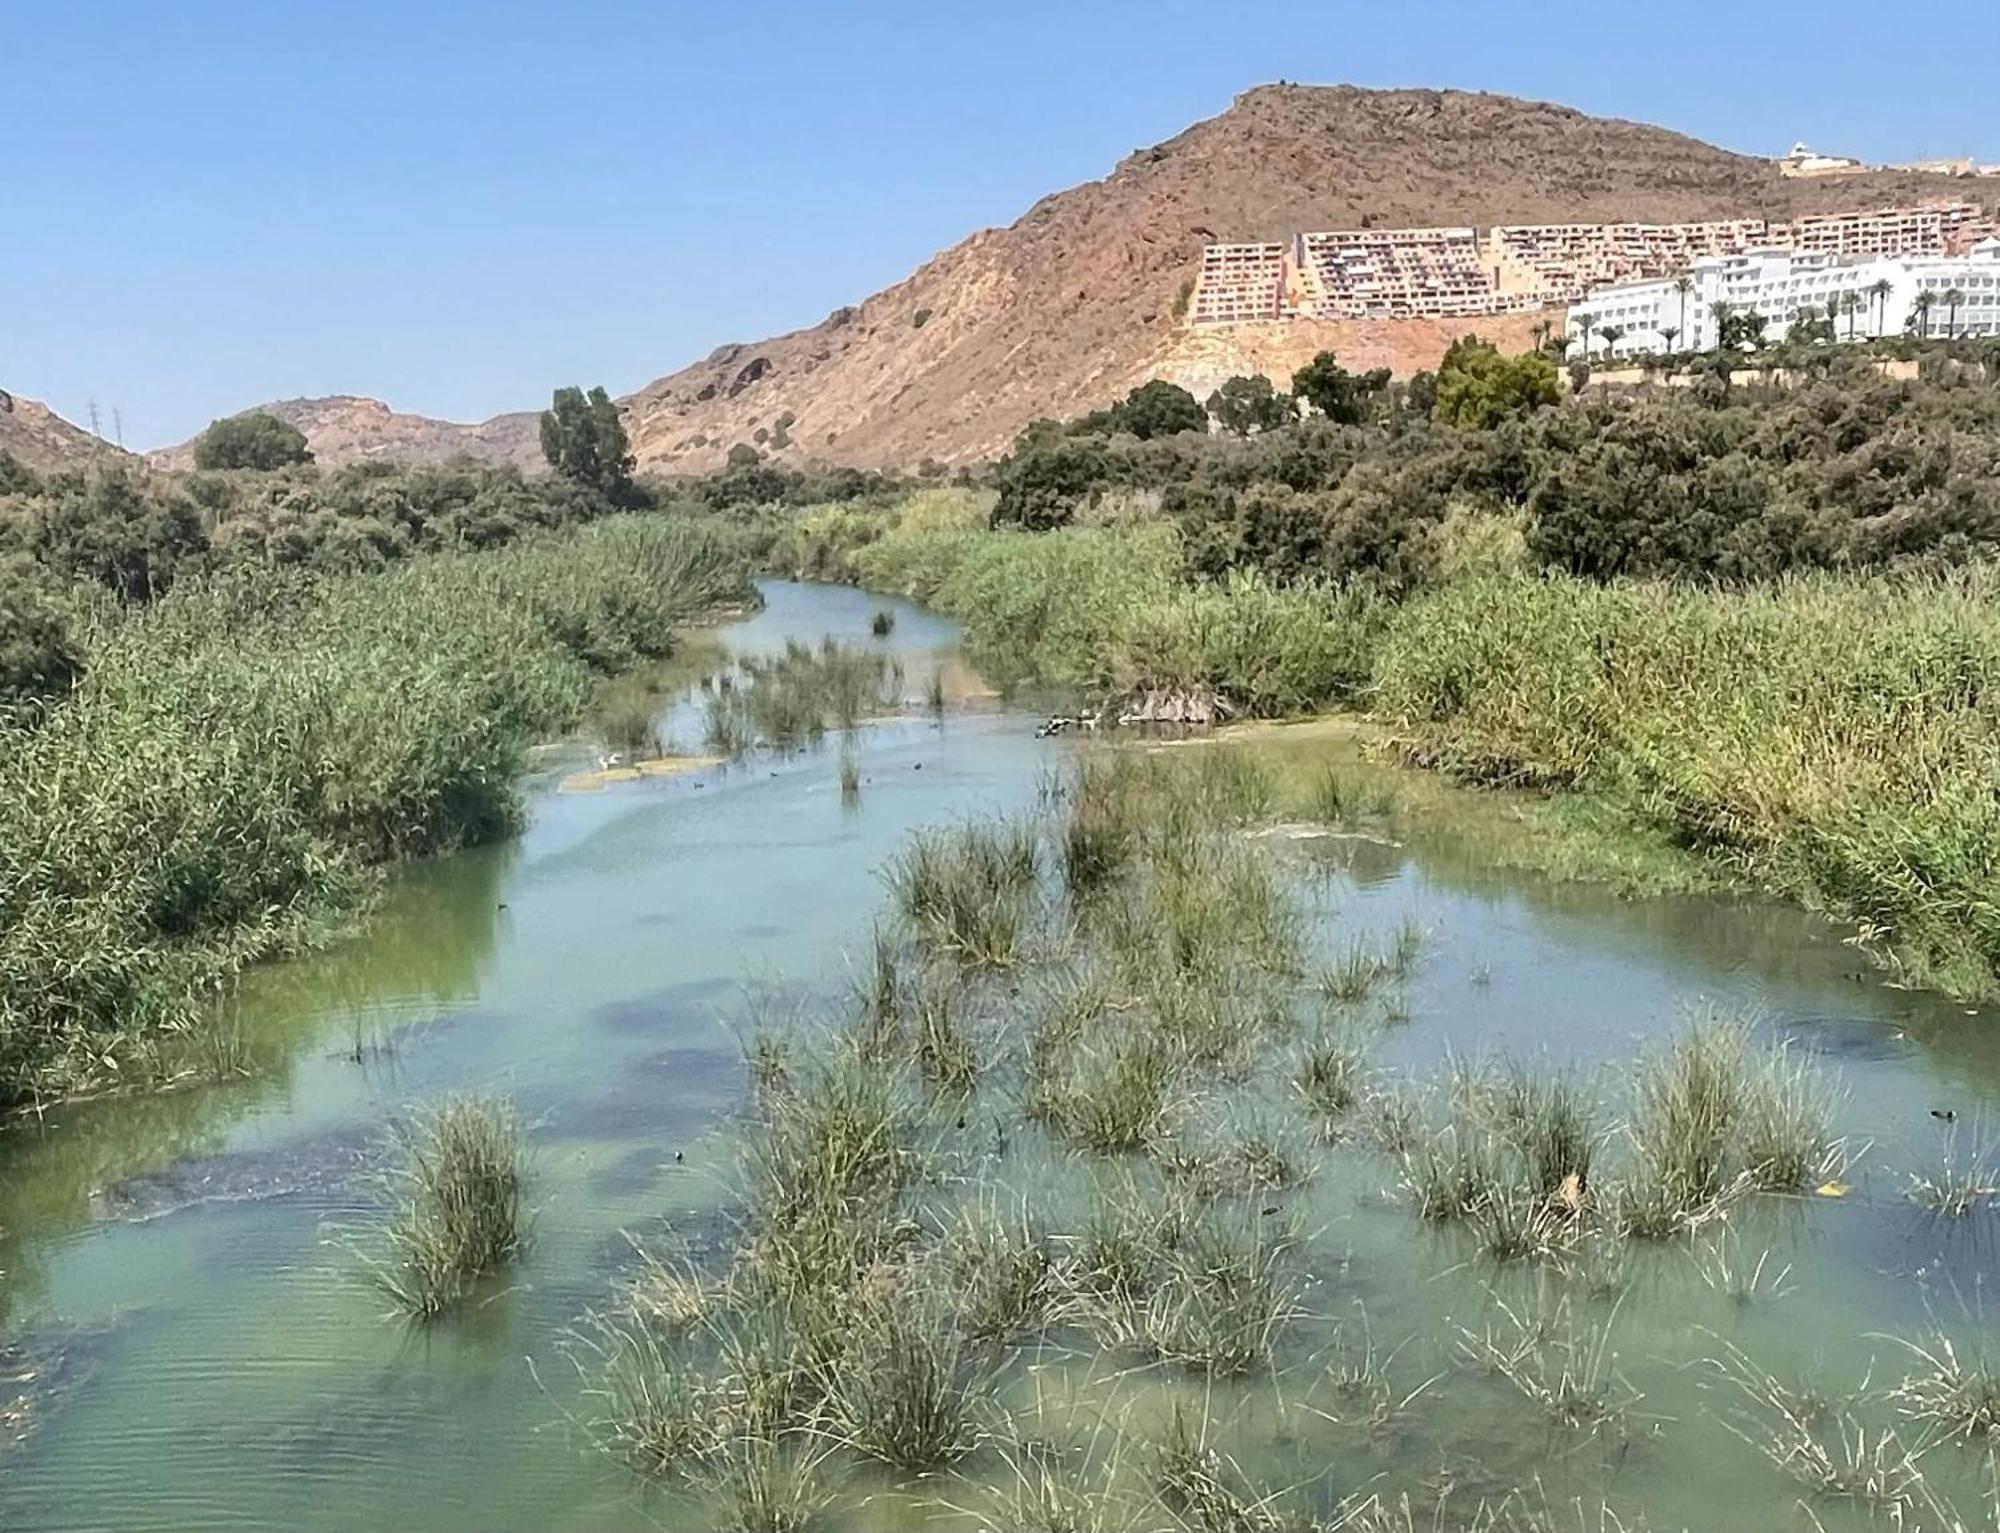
x=348 y=428
x=1077 y=301
x=35 y=435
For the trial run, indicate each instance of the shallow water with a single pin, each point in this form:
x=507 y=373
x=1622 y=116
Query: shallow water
x=229 y=1369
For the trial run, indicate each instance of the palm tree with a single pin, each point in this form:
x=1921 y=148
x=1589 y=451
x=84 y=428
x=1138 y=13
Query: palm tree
x=1882 y=290
x=1667 y=334
x=1683 y=285
x=1612 y=334
x=1583 y=324
x=1721 y=313
x=1953 y=297
x=1851 y=304
x=1920 y=314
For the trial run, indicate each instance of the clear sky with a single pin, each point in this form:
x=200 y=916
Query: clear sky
x=455 y=207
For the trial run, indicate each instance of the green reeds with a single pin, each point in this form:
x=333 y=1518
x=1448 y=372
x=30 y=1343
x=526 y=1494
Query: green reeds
x=967 y=892
x=456 y=1213
x=242 y=755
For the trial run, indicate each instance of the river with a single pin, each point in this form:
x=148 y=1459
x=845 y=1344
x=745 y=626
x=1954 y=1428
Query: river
x=192 y=1346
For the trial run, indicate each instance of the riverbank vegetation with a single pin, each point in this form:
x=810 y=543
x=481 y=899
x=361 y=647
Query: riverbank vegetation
x=1753 y=621
x=240 y=755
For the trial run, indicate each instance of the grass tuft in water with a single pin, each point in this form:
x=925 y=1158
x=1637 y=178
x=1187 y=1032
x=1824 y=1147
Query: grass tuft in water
x=906 y=1388
x=883 y=623
x=457 y=1213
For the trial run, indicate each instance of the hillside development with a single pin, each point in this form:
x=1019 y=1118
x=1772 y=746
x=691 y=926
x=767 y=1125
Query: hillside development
x=1086 y=294
x=1458 y=273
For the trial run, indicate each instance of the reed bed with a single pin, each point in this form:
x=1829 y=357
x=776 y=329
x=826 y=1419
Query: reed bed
x=243 y=754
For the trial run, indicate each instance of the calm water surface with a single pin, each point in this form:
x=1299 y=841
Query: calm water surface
x=202 y=1357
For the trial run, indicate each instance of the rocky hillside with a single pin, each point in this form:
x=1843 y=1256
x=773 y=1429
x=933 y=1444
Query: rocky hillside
x=35 y=435
x=1079 y=299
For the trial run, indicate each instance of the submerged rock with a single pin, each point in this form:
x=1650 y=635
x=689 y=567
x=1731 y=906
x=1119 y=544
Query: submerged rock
x=321 y=1163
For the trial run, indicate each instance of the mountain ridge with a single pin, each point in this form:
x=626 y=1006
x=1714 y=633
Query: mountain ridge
x=1076 y=300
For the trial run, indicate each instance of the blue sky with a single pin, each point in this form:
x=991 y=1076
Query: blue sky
x=456 y=207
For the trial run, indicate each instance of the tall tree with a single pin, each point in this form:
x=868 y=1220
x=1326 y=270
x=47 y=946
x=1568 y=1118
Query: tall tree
x=585 y=442
x=1683 y=285
x=1585 y=325
x=1882 y=289
x=1953 y=297
x=1920 y=314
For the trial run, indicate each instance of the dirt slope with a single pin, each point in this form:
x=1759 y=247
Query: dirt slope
x=1078 y=300
x=37 y=436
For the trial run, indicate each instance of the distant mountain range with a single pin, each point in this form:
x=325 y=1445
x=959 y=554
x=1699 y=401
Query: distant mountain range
x=1078 y=300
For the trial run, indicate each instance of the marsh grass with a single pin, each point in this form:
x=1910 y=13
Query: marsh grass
x=762 y=1485
x=968 y=892
x=1046 y=1496
x=1953 y=1395
x=1208 y=1492
x=1737 y=1275
x=850 y=778
x=788 y=701
x=1001 y=1272
x=1567 y=1367
x=1109 y=1095
x=1716 y=1117
x=1818 y=1442
x=653 y=1406
x=456 y=1213
x=1226 y=1289
x=1965 y=1177
x=1330 y=1078
x=908 y=1388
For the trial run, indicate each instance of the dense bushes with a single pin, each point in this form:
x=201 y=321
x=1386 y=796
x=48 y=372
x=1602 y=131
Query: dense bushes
x=1849 y=470
x=38 y=655
x=240 y=753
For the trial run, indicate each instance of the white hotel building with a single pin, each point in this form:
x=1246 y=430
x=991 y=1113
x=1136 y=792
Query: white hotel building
x=1777 y=284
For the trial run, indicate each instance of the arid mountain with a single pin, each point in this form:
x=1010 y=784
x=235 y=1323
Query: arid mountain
x=347 y=428
x=1078 y=300
x=35 y=435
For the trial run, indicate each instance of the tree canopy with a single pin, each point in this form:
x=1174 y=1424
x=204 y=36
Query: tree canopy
x=1244 y=406
x=585 y=442
x=1478 y=389
x=1341 y=396
x=257 y=440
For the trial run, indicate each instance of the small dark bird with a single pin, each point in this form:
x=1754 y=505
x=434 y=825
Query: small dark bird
x=961 y=1121
x=917 y=767
x=678 y=1157
x=1945 y=1114
x=503 y=904
x=1272 y=1209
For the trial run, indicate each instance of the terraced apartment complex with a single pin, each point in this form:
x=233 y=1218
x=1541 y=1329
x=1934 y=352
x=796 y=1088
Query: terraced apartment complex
x=1517 y=268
